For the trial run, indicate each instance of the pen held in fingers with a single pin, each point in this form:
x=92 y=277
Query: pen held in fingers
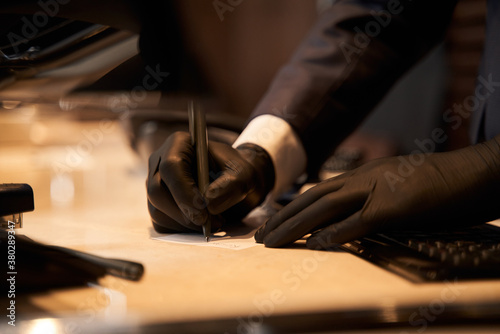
x=199 y=138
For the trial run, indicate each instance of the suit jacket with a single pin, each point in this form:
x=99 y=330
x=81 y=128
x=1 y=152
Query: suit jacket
x=486 y=117
x=349 y=61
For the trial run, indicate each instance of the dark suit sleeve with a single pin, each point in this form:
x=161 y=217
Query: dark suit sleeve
x=350 y=59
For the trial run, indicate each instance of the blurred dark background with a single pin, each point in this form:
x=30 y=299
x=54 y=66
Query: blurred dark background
x=91 y=58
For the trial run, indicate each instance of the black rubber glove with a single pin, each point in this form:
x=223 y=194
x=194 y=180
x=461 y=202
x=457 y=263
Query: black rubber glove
x=241 y=177
x=439 y=190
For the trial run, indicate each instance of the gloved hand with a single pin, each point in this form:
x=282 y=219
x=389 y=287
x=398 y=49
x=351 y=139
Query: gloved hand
x=241 y=178
x=438 y=190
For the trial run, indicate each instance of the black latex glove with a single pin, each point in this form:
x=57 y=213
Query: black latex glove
x=439 y=190
x=241 y=177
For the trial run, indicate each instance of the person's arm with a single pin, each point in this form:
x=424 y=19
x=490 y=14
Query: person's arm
x=331 y=82
x=352 y=56
x=419 y=191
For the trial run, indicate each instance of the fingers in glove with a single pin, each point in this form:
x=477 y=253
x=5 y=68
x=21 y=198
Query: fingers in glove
x=175 y=170
x=336 y=234
x=330 y=208
x=233 y=184
x=165 y=224
x=162 y=200
x=153 y=165
x=227 y=190
x=297 y=205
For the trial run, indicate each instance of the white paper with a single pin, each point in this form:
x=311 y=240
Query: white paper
x=219 y=239
x=238 y=237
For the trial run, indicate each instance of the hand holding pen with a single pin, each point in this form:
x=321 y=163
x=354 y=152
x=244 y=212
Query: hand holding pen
x=179 y=202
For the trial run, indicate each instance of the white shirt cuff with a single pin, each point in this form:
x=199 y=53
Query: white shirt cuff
x=283 y=145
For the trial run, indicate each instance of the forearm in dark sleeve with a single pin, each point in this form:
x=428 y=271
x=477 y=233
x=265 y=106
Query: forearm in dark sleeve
x=351 y=58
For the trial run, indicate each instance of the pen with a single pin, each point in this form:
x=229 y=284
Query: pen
x=199 y=139
x=120 y=268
